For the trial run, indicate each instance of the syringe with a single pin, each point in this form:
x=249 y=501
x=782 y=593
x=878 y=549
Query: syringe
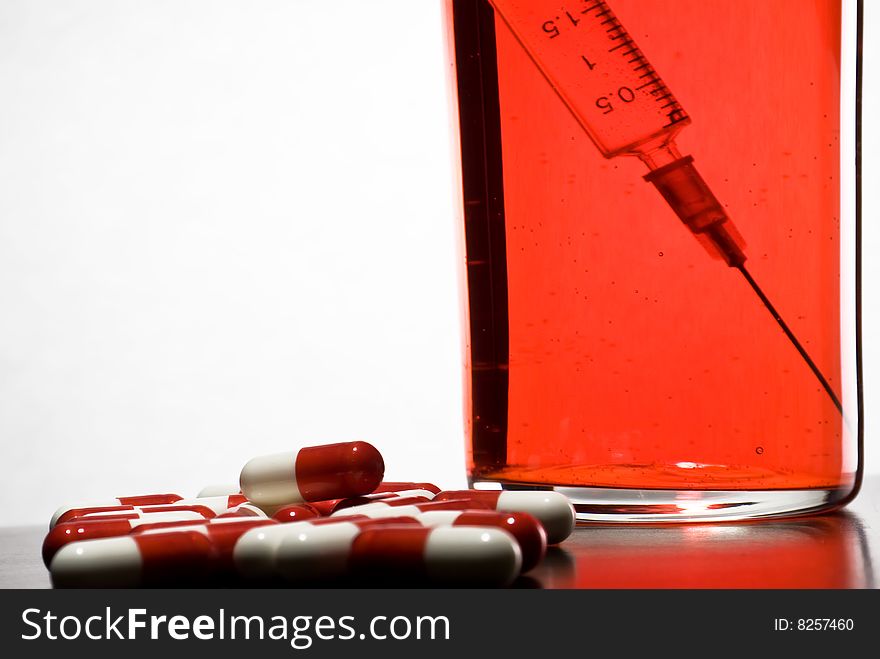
x=617 y=97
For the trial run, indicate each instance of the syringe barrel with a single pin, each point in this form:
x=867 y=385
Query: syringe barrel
x=693 y=201
x=610 y=87
x=598 y=71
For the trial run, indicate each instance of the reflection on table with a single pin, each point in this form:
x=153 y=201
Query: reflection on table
x=829 y=551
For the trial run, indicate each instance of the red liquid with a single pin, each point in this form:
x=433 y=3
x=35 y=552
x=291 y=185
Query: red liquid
x=607 y=348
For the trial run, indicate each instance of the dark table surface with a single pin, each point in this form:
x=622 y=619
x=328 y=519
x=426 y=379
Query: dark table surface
x=828 y=551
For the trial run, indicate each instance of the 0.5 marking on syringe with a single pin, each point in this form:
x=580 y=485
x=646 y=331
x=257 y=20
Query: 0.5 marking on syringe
x=613 y=30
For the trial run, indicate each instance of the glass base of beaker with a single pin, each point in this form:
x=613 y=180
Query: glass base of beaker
x=617 y=505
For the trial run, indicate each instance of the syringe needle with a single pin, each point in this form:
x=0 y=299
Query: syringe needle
x=791 y=337
x=690 y=197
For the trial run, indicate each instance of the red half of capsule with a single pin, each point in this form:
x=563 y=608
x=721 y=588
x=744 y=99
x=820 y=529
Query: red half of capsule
x=175 y=558
x=487 y=497
x=398 y=486
x=325 y=508
x=526 y=530
x=149 y=499
x=387 y=551
x=343 y=470
x=232 y=500
x=296 y=513
x=67 y=532
x=448 y=504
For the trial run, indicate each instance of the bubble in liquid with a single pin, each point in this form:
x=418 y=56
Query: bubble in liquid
x=659 y=253
x=759 y=450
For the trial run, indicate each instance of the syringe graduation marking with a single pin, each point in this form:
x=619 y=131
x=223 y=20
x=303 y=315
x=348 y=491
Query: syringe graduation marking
x=676 y=115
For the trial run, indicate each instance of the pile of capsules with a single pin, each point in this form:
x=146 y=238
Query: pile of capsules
x=317 y=516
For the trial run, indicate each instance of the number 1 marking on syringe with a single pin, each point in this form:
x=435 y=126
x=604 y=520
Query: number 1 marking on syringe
x=593 y=34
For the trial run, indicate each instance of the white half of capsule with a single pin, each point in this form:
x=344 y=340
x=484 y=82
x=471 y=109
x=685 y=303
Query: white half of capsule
x=318 y=552
x=438 y=517
x=403 y=494
x=254 y=553
x=104 y=563
x=218 y=504
x=378 y=510
x=171 y=516
x=472 y=554
x=199 y=528
x=218 y=490
x=552 y=509
x=270 y=480
x=246 y=510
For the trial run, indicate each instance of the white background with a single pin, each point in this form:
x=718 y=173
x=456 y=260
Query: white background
x=228 y=228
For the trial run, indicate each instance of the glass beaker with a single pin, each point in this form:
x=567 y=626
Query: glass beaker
x=608 y=357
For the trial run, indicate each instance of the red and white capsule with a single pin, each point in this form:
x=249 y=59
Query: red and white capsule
x=224 y=534
x=398 y=486
x=316 y=473
x=138 y=500
x=78 y=530
x=410 y=507
x=167 y=553
x=133 y=560
x=140 y=513
x=414 y=495
x=451 y=555
x=256 y=551
x=216 y=506
x=526 y=530
x=330 y=506
x=552 y=509
x=321 y=550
